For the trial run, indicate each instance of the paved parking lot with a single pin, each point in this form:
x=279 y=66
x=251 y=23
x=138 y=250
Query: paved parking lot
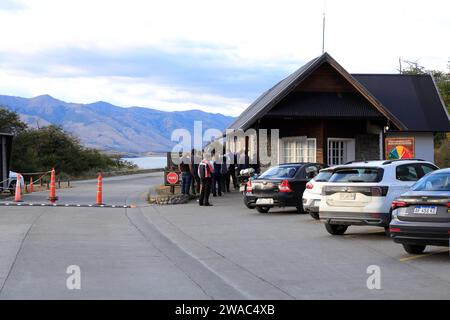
x=191 y=252
x=283 y=254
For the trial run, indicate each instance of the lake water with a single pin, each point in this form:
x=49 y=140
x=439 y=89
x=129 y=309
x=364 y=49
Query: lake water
x=148 y=162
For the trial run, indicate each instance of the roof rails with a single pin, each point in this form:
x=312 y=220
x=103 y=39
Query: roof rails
x=396 y=160
x=365 y=161
x=385 y=162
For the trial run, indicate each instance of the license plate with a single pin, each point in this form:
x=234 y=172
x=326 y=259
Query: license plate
x=264 y=201
x=347 y=196
x=425 y=209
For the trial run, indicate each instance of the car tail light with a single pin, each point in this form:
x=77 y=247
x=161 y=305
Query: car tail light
x=285 y=186
x=376 y=191
x=448 y=205
x=398 y=204
x=394 y=230
x=249 y=186
x=309 y=185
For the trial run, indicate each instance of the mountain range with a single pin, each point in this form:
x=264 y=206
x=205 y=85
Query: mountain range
x=110 y=128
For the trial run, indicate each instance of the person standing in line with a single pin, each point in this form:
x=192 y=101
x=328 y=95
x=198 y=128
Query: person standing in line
x=205 y=172
x=217 y=177
x=225 y=175
x=185 y=168
x=243 y=160
x=232 y=164
x=195 y=161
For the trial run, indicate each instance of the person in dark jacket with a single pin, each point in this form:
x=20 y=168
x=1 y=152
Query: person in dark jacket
x=205 y=172
x=232 y=162
x=225 y=175
x=185 y=168
x=195 y=161
x=217 y=178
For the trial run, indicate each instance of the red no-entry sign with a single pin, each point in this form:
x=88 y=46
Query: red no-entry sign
x=172 y=177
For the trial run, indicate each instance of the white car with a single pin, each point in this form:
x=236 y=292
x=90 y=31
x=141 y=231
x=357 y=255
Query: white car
x=361 y=193
x=313 y=192
x=12 y=181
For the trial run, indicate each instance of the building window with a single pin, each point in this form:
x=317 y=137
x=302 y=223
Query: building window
x=299 y=150
x=340 y=151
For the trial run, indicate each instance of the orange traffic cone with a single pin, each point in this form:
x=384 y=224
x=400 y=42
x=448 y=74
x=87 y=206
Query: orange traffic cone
x=18 y=193
x=99 y=200
x=31 y=185
x=52 y=197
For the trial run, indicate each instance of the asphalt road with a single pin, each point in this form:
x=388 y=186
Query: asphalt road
x=191 y=252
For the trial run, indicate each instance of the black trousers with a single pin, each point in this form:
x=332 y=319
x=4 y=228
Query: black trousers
x=217 y=184
x=205 y=191
x=232 y=174
x=195 y=183
x=226 y=182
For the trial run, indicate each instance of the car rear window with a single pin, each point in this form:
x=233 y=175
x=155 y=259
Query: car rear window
x=323 y=176
x=407 y=172
x=280 y=172
x=433 y=182
x=357 y=175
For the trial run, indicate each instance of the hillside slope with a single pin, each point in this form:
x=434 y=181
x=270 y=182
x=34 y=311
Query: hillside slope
x=111 y=128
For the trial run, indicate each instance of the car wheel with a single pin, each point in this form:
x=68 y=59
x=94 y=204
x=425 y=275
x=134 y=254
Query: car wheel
x=335 y=229
x=300 y=209
x=315 y=215
x=414 y=249
x=262 y=209
x=248 y=206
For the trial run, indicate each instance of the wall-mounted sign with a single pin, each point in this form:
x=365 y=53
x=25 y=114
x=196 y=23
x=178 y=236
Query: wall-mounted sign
x=399 y=148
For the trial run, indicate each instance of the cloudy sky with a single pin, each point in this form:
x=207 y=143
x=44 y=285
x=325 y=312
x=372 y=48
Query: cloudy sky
x=217 y=56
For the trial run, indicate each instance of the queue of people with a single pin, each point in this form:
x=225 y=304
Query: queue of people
x=206 y=175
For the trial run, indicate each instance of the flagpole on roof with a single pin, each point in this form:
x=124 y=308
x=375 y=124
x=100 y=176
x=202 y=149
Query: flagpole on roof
x=323 y=28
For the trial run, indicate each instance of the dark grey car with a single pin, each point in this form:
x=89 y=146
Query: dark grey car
x=421 y=216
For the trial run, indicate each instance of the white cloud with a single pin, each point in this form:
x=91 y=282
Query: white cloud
x=364 y=36
x=121 y=91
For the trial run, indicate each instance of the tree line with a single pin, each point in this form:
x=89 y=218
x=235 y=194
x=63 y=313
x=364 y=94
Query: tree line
x=40 y=149
x=442 y=79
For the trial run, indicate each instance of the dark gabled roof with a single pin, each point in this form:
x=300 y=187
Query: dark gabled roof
x=414 y=99
x=420 y=94
x=258 y=107
x=326 y=105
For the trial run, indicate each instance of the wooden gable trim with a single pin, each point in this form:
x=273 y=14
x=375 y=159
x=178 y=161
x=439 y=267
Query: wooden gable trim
x=311 y=69
x=364 y=92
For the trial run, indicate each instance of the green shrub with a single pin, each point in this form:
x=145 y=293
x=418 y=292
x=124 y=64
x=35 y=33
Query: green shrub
x=442 y=153
x=49 y=147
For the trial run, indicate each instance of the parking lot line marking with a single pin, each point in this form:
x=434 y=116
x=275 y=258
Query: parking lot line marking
x=423 y=255
x=66 y=205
